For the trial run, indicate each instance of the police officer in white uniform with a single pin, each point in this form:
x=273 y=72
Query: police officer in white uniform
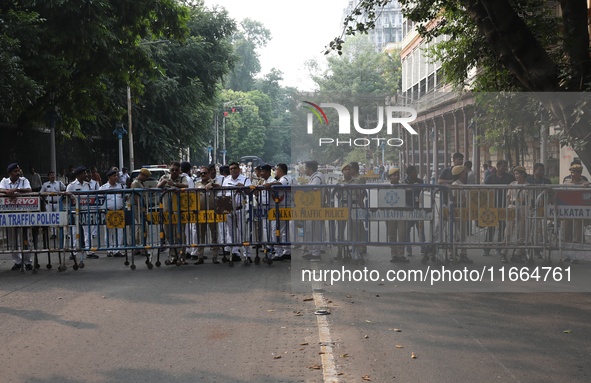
x=234 y=223
x=12 y=186
x=52 y=201
x=78 y=185
x=113 y=201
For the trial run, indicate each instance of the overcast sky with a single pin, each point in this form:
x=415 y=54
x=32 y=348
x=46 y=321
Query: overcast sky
x=300 y=30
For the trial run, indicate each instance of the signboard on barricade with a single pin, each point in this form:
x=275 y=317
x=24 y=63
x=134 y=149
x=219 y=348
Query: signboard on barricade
x=188 y=201
x=571 y=204
x=25 y=219
x=88 y=202
x=404 y=214
x=92 y=218
x=20 y=204
x=202 y=216
x=310 y=214
x=391 y=198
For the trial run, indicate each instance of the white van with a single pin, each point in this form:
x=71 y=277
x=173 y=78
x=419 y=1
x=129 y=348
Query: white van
x=157 y=172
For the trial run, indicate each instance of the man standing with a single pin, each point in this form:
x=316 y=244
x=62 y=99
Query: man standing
x=396 y=229
x=413 y=199
x=235 y=222
x=314 y=230
x=52 y=201
x=500 y=177
x=140 y=207
x=191 y=228
x=206 y=203
x=12 y=186
x=537 y=178
x=94 y=175
x=79 y=184
x=172 y=181
x=35 y=180
x=113 y=201
x=124 y=178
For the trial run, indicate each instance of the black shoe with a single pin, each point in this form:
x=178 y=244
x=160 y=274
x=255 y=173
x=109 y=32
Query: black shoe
x=28 y=266
x=72 y=257
x=109 y=254
x=92 y=256
x=17 y=266
x=236 y=257
x=249 y=259
x=118 y=254
x=286 y=256
x=200 y=261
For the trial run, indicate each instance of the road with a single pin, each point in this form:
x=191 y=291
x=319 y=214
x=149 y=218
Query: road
x=213 y=323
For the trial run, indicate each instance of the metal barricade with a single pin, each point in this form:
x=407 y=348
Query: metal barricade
x=518 y=223
x=31 y=228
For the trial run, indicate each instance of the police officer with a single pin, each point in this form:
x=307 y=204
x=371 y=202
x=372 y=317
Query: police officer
x=52 y=201
x=12 y=186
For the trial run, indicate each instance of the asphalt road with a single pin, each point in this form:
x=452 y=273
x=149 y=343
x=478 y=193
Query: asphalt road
x=213 y=323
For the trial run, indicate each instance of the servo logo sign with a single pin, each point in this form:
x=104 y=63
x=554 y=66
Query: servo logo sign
x=20 y=204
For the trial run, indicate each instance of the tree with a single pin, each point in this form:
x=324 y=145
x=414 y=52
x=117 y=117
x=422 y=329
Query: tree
x=361 y=77
x=251 y=36
x=77 y=51
x=519 y=46
x=176 y=106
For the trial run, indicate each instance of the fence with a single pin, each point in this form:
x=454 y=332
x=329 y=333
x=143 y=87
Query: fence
x=518 y=223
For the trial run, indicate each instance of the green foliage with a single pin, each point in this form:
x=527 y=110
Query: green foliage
x=251 y=36
x=176 y=106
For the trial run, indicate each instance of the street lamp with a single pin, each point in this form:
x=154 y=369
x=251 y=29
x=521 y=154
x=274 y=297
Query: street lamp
x=51 y=116
x=119 y=132
x=224 y=114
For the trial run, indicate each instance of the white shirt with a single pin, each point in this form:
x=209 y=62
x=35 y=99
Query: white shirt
x=53 y=187
x=229 y=181
x=113 y=201
x=123 y=179
x=317 y=179
x=77 y=186
x=190 y=181
x=20 y=183
x=264 y=193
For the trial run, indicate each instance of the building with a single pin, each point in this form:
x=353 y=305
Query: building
x=388 y=24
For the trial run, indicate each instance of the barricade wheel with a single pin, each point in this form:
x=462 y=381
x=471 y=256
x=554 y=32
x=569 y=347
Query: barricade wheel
x=75 y=267
x=37 y=266
x=48 y=266
x=224 y=259
x=158 y=264
x=166 y=262
x=126 y=263
x=150 y=266
x=147 y=262
x=257 y=260
x=61 y=268
x=132 y=267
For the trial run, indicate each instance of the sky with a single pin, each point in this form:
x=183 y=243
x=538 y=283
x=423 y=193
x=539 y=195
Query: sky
x=300 y=30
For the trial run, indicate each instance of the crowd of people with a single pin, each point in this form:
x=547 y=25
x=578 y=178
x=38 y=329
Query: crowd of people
x=223 y=180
